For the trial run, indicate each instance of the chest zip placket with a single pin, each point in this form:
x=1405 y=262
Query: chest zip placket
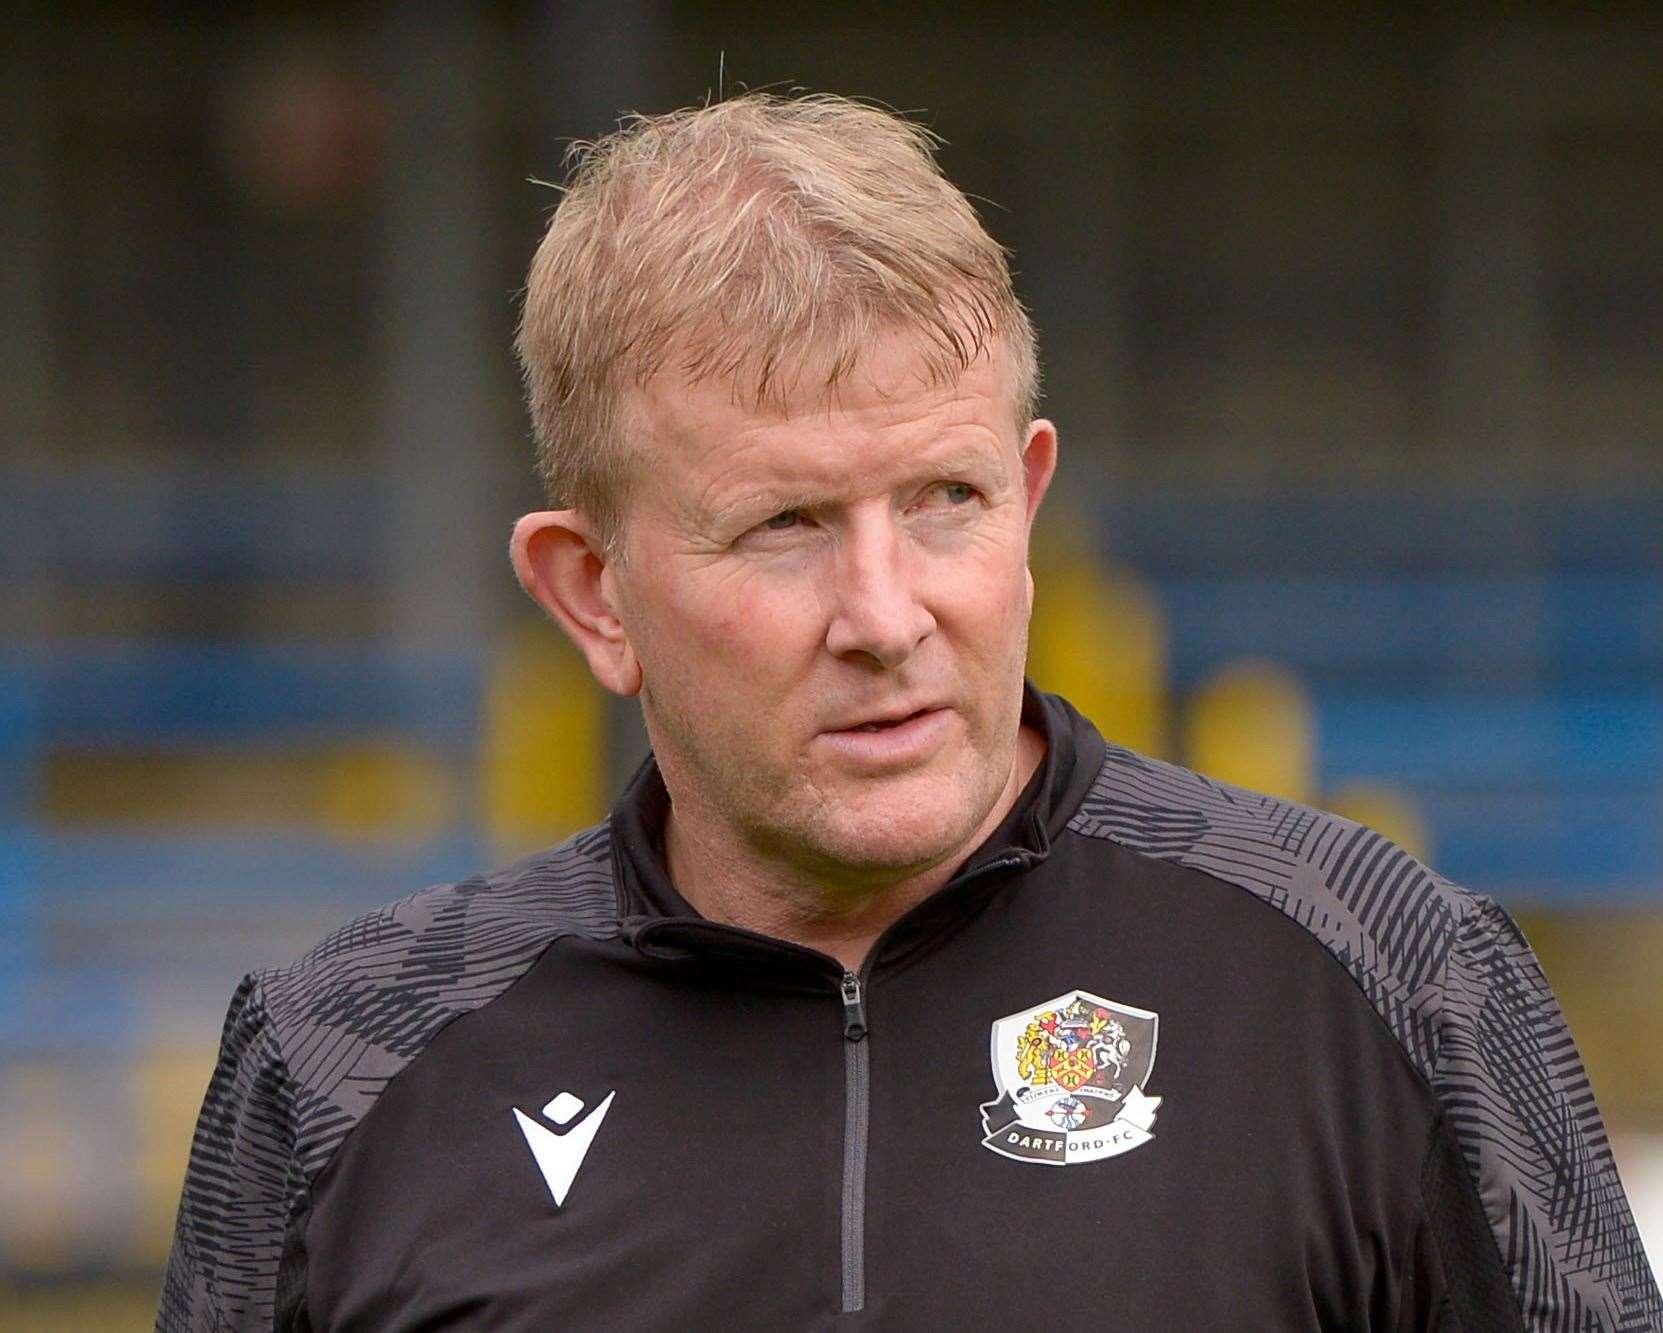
x=857 y=1110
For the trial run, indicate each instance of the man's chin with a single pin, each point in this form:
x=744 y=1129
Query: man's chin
x=905 y=830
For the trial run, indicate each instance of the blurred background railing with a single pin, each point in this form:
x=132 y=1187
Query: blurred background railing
x=1352 y=329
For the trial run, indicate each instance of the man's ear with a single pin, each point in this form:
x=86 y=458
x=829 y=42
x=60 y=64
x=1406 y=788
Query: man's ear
x=560 y=560
x=1039 y=463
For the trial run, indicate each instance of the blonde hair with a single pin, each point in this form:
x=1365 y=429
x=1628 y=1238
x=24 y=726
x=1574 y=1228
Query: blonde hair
x=760 y=240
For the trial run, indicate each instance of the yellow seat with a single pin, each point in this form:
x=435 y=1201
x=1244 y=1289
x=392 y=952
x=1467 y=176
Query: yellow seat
x=1252 y=724
x=1098 y=638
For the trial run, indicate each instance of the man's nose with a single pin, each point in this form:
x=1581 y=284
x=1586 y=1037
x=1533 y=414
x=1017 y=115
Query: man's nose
x=876 y=611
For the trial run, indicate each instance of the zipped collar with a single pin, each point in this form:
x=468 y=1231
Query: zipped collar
x=660 y=922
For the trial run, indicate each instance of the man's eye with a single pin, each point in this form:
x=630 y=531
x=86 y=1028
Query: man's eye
x=959 y=492
x=787 y=518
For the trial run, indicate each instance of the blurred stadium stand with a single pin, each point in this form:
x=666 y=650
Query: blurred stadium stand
x=1352 y=331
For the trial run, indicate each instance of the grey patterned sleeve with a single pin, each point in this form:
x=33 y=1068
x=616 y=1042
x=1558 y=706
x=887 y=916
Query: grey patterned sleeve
x=1453 y=978
x=1514 y=1090
x=240 y=1185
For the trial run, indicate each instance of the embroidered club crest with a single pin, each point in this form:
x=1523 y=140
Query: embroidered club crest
x=1070 y=1075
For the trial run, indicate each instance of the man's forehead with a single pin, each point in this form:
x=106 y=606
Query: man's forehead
x=702 y=449
x=894 y=380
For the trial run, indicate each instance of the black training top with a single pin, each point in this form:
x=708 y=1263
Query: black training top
x=1164 y=1054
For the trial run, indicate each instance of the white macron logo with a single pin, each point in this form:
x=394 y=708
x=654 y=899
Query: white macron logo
x=560 y=1154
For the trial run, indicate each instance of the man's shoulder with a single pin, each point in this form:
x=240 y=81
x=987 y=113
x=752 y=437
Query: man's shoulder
x=367 y=999
x=1388 y=919
x=464 y=934
x=448 y=930
x=1455 y=981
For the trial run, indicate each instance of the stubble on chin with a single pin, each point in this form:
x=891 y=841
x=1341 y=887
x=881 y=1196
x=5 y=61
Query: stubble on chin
x=836 y=835
x=844 y=832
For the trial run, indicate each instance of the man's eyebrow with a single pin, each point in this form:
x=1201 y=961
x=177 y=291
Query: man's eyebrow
x=766 y=501
x=761 y=503
x=964 y=462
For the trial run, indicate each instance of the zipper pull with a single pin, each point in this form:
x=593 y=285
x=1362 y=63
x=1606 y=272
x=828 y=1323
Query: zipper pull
x=854 y=1007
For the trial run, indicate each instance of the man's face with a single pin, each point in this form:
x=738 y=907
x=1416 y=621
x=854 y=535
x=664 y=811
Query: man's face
x=829 y=608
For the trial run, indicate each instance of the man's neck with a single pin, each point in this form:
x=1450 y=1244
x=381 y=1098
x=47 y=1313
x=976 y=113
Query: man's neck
x=725 y=883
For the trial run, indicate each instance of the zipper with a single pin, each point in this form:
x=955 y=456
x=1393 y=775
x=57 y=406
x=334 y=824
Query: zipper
x=675 y=938
x=857 y=1109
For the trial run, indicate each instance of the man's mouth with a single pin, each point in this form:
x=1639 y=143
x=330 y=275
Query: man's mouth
x=889 y=723
x=903 y=740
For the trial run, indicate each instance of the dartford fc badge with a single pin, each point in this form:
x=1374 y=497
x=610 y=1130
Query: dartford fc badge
x=1070 y=1075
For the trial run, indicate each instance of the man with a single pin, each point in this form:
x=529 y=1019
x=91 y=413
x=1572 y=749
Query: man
x=890 y=994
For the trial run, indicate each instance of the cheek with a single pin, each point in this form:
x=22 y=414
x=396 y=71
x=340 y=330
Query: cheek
x=746 y=627
x=752 y=623
x=992 y=597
